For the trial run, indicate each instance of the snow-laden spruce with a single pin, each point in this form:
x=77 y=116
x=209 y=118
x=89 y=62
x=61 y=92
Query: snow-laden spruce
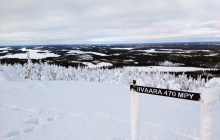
x=44 y=71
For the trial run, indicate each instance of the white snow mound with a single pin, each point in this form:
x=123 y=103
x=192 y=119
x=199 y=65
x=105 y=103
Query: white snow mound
x=9 y=73
x=211 y=91
x=4 y=76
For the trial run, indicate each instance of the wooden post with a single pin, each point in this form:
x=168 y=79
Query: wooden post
x=209 y=99
x=134 y=113
x=207 y=121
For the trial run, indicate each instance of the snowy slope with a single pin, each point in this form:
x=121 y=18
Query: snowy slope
x=58 y=110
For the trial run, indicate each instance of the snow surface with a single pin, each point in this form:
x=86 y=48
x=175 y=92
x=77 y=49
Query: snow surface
x=98 y=65
x=151 y=51
x=81 y=52
x=171 y=51
x=122 y=48
x=167 y=69
x=5 y=48
x=168 y=63
x=213 y=54
x=210 y=97
x=116 y=54
x=155 y=51
x=57 y=110
x=129 y=60
x=85 y=57
x=34 y=54
x=4 y=52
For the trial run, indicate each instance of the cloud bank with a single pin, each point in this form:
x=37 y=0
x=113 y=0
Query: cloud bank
x=115 y=21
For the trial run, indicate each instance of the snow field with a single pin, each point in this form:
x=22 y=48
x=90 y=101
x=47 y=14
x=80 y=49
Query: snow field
x=82 y=52
x=45 y=109
x=167 y=68
x=101 y=111
x=101 y=64
x=77 y=109
x=34 y=54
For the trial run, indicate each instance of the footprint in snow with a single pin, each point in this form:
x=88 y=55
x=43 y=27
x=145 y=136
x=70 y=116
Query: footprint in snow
x=28 y=129
x=33 y=121
x=12 y=133
x=51 y=119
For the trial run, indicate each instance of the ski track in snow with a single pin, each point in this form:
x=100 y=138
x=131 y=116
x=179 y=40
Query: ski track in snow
x=16 y=108
x=170 y=131
x=37 y=122
x=34 y=122
x=29 y=87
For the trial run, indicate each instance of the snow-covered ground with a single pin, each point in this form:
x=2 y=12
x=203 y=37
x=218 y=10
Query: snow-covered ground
x=82 y=52
x=5 y=48
x=171 y=51
x=122 y=48
x=153 y=51
x=168 y=68
x=34 y=54
x=163 y=50
x=98 y=65
x=4 y=52
x=213 y=54
x=79 y=110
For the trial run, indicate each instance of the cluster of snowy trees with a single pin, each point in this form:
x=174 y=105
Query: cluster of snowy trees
x=49 y=72
x=168 y=63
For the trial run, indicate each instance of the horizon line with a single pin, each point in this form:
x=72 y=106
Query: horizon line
x=119 y=43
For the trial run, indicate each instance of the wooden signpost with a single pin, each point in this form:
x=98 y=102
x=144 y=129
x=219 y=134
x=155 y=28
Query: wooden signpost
x=166 y=92
x=153 y=91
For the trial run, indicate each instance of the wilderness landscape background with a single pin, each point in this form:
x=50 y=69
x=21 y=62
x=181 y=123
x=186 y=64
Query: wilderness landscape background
x=91 y=99
x=66 y=67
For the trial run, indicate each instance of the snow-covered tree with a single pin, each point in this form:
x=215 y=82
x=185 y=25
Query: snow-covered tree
x=45 y=71
x=27 y=69
x=217 y=65
x=1 y=69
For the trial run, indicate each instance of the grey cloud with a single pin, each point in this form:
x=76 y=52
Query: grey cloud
x=98 y=21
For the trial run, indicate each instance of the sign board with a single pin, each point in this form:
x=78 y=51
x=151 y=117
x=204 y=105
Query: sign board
x=167 y=92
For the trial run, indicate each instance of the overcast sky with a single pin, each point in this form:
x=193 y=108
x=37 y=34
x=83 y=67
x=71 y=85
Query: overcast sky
x=108 y=21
